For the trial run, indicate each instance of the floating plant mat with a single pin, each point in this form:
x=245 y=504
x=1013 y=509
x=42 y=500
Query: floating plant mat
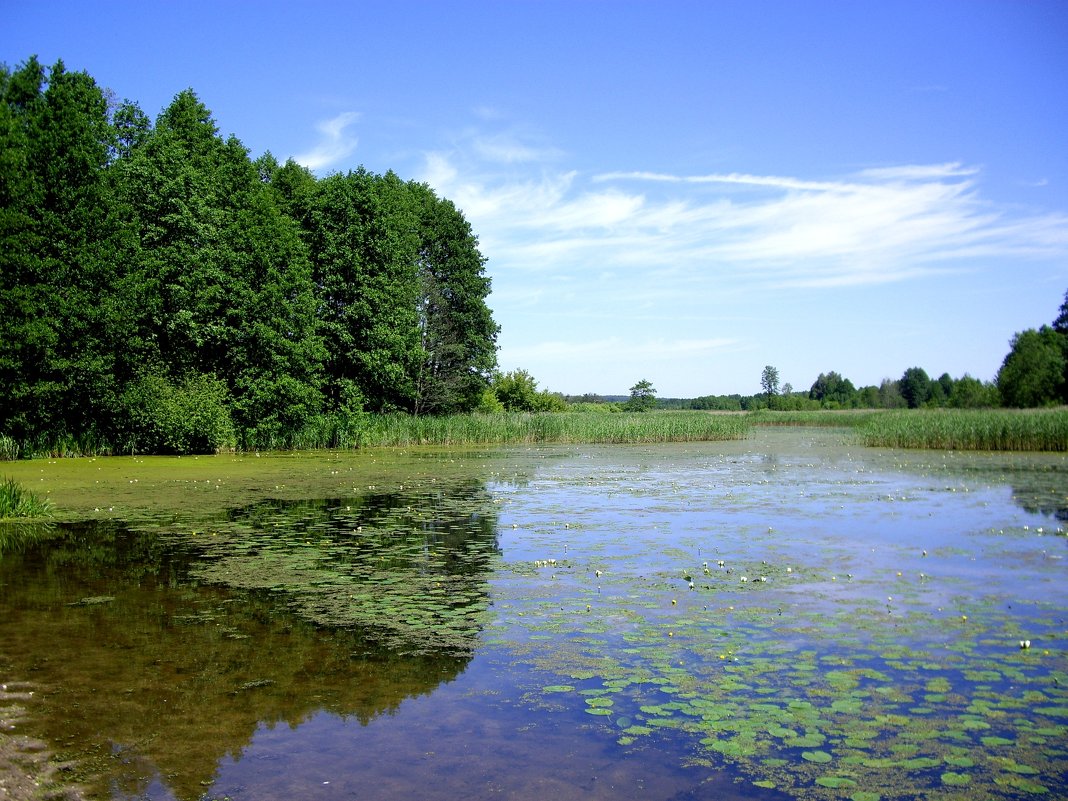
x=834 y=625
x=406 y=568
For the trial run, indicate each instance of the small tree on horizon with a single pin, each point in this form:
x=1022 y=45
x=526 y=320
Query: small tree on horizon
x=642 y=397
x=769 y=382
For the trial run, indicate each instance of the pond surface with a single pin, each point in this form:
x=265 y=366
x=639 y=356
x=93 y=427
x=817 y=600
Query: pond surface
x=791 y=616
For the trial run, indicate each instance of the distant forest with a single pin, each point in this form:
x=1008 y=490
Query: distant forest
x=161 y=291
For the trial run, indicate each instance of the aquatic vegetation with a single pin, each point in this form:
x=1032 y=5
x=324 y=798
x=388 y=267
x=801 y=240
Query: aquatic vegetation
x=970 y=429
x=591 y=596
x=18 y=502
x=824 y=418
x=529 y=428
x=24 y=516
x=407 y=571
x=847 y=669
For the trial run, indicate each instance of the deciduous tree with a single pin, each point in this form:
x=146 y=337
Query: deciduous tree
x=1033 y=372
x=769 y=382
x=642 y=397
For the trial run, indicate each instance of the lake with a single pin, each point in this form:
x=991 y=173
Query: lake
x=788 y=616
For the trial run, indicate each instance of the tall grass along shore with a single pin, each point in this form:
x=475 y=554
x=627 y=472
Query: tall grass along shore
x=545 y=427
x=967 y=429
x=16 y=502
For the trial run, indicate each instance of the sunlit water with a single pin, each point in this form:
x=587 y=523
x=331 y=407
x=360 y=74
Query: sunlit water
x=785 y=617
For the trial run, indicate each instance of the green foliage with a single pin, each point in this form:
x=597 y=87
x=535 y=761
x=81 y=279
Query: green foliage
x=798 y=401
x=971 y=393
x=587 y=407
x=769 y=382
x=18 y=502
x=516 y=390
x=824 y=418
x=642 y=397
x=1060 y=324
x=834 y=391
x=723 y=403
x=991 y=430
x=488 y=403
x=915 y=387
x=9 y=449
x=135 y=259
x=543 y=427
x=193 y=417
x=1034 y=371
x=457 y=332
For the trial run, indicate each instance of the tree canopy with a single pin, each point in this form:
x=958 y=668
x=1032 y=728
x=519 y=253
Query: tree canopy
x=148 y=269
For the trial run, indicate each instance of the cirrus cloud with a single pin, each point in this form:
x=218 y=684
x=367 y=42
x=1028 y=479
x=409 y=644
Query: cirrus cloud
x=335 y=143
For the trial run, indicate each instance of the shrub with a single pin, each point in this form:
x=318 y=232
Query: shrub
x=192 y=417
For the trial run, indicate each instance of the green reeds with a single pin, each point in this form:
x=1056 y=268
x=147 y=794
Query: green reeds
x=519 y=428
x=9 y=449
x=823 y=417
x=970 y=429
x=16 y=502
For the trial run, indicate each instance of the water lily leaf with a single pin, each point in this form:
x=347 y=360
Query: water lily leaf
x=835 y=782
x=956 y=779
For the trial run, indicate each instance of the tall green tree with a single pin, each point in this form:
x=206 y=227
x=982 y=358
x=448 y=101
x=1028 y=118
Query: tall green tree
x=1060 y=325
x=915 y=387
x=457 y=332
x=223 y=283
x=61 y=238
x=769 y=382
x=642 y=397
x=1033 y=372
x=832 y=389
x=363 y=236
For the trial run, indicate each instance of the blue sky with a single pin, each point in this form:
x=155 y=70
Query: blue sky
x=683 y=192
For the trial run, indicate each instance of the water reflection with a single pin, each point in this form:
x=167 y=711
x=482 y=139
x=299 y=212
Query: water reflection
x=327 y=648
x=155 y=663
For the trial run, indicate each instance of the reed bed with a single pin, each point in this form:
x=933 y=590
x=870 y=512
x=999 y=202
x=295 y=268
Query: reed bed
x=970 y=429
x=515 y=428
x=822 y=417
x=16 y=502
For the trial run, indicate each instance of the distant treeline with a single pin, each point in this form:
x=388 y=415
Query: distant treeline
x=1033 y=374
x=161 y=291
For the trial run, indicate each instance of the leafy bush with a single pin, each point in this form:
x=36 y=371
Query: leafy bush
x=192 y=417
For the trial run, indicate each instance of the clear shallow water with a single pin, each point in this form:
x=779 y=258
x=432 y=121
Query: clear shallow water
x=528 y=627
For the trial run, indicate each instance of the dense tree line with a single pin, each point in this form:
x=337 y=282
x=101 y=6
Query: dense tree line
x=161 y=291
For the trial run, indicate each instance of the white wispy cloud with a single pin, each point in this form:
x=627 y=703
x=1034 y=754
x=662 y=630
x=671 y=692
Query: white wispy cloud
x=884 y=224
x=335 y=142
x=610 y=348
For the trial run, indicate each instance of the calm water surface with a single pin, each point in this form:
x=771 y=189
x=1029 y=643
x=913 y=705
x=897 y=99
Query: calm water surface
x=786 y=617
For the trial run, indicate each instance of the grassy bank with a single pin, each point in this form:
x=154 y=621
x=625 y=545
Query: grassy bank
x=979 y=429
x=589 y=427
